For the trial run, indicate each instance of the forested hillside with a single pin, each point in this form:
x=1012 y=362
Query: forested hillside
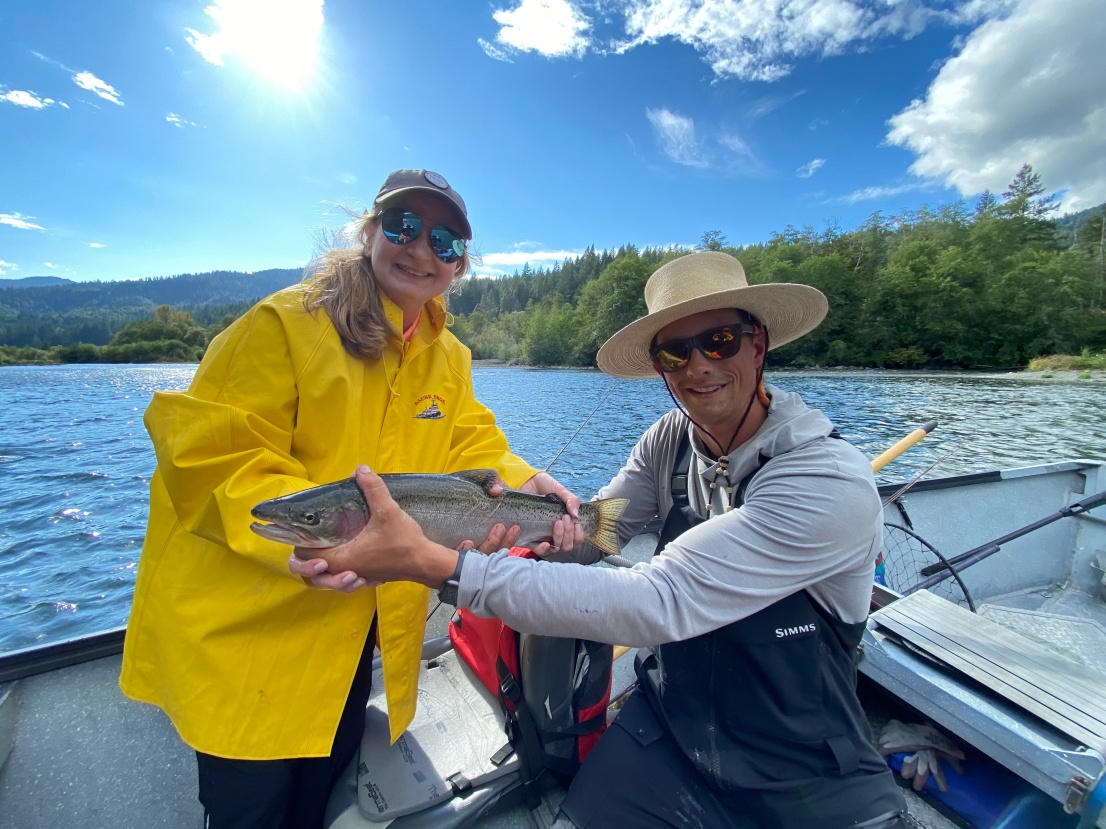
x=92 y=312
x=988 y=286
x=993 y=285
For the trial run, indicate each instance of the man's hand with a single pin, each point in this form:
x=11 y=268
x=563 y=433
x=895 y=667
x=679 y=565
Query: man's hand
x=391 y=547
x=566 y=533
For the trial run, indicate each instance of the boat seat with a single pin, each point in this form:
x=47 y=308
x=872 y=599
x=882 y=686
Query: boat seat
x=456 y=743
x=1038 y=713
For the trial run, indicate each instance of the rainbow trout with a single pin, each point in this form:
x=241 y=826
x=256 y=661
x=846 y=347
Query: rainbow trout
x=449 y=508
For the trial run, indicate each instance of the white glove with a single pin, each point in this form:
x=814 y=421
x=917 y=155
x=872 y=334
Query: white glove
x=929 y=747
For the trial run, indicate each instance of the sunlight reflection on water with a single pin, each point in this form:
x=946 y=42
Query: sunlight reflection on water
x=75 y=459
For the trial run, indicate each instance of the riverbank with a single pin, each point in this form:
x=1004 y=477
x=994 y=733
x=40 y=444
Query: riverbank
x=1091 y=376
x=1058 y=376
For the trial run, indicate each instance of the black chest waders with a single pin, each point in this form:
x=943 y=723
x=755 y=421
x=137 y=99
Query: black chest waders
x=767 y=705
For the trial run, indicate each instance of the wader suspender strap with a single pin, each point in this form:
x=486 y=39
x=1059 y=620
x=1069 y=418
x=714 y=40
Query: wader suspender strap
x=681 y=469
x=681 y=473
x=524 y=733
x=530 y=741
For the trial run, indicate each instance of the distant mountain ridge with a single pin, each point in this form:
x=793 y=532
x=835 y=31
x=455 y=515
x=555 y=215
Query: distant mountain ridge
x=41 y=311
x=54 y=295
x=34 y=282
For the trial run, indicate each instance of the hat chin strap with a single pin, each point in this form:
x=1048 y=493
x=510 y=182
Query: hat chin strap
x=722 y=450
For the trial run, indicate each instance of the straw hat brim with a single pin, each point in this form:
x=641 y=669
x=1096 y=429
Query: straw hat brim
x=787 y=311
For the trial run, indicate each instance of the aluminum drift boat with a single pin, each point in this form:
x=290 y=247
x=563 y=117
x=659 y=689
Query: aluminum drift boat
x=1008 y=657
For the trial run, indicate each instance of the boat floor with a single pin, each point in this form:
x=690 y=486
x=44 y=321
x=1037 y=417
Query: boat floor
x=1067 y=622
x=145 y=777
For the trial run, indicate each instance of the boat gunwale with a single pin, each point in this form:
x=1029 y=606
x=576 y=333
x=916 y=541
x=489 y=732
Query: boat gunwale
x=40 y=659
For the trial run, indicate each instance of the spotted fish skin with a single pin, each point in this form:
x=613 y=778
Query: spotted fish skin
x=450 y=508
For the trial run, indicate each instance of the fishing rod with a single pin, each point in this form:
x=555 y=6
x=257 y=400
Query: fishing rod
x=892 y=498
x=977 y=554
x=901 y=446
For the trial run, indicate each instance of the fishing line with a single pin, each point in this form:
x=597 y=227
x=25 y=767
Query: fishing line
x=602 y=400
x=891 y=499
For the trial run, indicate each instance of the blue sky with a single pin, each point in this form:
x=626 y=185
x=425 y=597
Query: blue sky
x=165 y=137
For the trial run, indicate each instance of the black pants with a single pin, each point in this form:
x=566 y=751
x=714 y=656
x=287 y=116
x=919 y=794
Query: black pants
x=285 y=794
x=637 y=776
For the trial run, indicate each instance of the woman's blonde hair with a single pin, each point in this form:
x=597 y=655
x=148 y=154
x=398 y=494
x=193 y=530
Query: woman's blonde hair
x=340 y=281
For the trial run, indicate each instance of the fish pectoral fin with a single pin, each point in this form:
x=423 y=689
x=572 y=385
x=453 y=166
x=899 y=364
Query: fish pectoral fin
x=483 y=478
x=605 y=536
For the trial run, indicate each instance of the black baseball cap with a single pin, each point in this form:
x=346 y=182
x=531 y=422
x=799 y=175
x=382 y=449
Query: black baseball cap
x=407 y=181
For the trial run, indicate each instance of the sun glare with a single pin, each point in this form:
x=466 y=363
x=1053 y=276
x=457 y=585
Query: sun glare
x=278 y=39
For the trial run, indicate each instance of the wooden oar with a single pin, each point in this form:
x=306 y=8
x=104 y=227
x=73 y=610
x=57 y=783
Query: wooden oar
x=893 y=452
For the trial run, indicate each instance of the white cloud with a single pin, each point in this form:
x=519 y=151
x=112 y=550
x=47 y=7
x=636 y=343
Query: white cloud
x=676 y=135
x=873 y=193
x=758 y=39
x=86 y=80
x=19 y=221
x=23 y=98
x=179 y=122
x=95 y=245
x=680 y=139
x=1027 y=88
x=741 y=156
x=50 y=265
x=810 y=168
x=6 y=267
x=521 y=257
x=554 y=28
x=494 y=52
x=771 y=103
x=744 y=39
x=505 y=263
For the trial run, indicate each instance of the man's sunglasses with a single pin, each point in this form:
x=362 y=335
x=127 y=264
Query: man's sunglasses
x=402 y=226
x=716 y=344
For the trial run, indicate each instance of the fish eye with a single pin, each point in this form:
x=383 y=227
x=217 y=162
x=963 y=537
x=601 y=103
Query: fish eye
x=311 y=518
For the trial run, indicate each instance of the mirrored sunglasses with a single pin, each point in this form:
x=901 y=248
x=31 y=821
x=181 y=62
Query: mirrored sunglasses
x=715 y=344
x=401 y=227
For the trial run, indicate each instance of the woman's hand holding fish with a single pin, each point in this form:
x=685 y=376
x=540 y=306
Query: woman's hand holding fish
x=567 y=533
x=304 y=562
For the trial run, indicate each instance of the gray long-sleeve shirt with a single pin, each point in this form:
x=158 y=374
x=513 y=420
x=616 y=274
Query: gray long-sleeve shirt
x=811 y=519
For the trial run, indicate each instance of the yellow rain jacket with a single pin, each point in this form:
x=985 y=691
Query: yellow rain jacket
x=249 y=662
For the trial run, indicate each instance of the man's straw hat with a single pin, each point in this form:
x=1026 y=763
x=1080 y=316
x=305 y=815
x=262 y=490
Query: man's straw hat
x=705 y=282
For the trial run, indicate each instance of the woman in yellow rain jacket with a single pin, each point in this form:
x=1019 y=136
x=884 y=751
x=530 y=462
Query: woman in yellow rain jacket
x=353 y=366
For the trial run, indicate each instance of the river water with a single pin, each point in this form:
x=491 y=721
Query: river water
x=75 y=460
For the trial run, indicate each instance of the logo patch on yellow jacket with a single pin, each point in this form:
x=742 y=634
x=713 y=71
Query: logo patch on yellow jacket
x=426 y=407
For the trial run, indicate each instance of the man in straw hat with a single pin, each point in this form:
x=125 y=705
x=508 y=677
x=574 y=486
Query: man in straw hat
x=746 y=712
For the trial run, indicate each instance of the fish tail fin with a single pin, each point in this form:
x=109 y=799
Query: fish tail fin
x=605 y=536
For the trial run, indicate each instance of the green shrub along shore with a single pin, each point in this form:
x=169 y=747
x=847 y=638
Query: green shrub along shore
x=997 y=287
x=170 y=336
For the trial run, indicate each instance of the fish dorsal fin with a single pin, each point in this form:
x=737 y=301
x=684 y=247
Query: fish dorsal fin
x=483 y=478
x=553 y=499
